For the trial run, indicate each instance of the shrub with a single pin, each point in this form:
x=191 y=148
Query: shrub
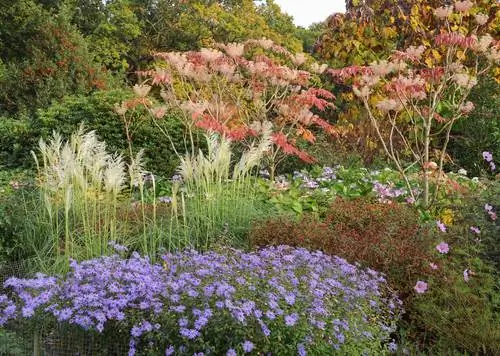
x=386 y=237
x=461 y=309
x=97 y=111
x=279 y=300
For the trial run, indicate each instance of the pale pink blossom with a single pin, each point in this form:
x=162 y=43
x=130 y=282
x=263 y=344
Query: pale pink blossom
x=443 y=12
x=210 y=55
x=363 y=92
x=464 y=80
x=299 y=59
x=475 y=230
x=481 y=19
x=387 y=105
x=467 y=107
x=433 y=266
x=318 y=69
x=443 y=247
x=420 y=287
x=141 y=90
x=493 y=55
x=463 y=6
x=234 y=50
x=159 y=112
x=415 y=53
x=483 y=43
x=265 y=43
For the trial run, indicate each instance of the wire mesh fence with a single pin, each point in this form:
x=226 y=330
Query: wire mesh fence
x=39 y=337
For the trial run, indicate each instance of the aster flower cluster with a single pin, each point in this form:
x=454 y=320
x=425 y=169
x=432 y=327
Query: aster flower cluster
x=217 y=303
x=341 y=181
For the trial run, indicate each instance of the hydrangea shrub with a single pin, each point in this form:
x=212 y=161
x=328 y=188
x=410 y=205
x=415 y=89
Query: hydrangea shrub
x=281 y=300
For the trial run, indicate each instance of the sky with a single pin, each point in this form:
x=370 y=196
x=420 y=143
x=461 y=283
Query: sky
x=306 y=12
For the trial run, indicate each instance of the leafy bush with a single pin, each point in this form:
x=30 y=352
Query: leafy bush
x=461 y=308
x=97 y=111
x=481 y=132
x=314 y=190
x=281 y=300
x=386 y=237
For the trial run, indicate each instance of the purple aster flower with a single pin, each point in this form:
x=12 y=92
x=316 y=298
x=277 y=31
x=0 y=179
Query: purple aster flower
x=420 y=287
x=183 y=322
x=488 y=157
x=301 y=350
x=231 y=352
x=189 y=333
x=248 y=346
x=443 y=247
x=392 y=346
x=169 y=351
x=291 y=319
x=290 y=298
x=270 y=315
x=441 y=226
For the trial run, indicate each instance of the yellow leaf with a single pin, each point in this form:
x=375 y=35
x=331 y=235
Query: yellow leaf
x=461 y=55
x=436 y=55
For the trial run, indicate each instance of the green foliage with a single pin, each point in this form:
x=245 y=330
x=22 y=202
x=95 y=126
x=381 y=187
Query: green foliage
x=44 y=58
x=11 y=181
x=97 y=112
x=115 y=36
x=480 y=131
x=17 y=139
x=461 y=310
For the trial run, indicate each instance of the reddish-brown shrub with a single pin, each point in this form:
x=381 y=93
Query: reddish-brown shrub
x=385 y=237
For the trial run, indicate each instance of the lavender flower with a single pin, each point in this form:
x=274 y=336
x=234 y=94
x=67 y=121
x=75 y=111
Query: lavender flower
x=443 y=247
x=420 y=287
x=180 y=302
x=248 y=346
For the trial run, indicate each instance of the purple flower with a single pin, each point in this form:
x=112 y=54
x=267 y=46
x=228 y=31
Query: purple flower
x=443 y=247
x=488 y=207
x=165 y=199
x=392 y=346
x=433 y=266
x=291 y=319
x=466 y=275
x=301 y=350
x=189 y=333
x=290 y=298
x=169 y=351
x=488 y=157
x=441 y=226
x=248 y=346
x=475 y=230
x=420 y=287
x=492 y=166
x=231 y=352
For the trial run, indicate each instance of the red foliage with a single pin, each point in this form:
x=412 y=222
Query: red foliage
x=385 y=237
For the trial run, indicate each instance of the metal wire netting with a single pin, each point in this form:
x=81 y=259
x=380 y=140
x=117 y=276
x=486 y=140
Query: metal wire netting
x=45 y=337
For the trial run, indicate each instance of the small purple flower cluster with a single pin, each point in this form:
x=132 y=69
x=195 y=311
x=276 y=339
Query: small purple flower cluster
x=328 y=174
x=386 y=192
x=488 y=157
x=178 y=305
